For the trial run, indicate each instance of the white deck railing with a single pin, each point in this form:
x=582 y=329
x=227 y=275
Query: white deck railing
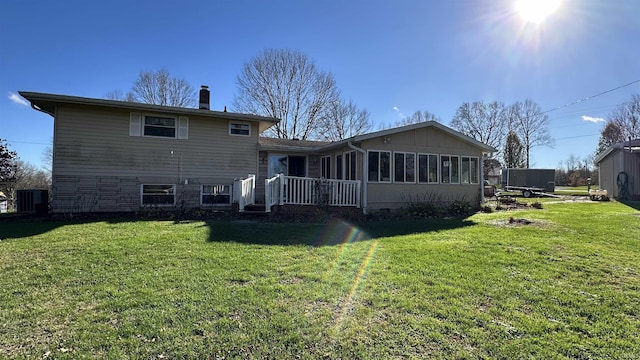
x=281 y=190
x=245 y=191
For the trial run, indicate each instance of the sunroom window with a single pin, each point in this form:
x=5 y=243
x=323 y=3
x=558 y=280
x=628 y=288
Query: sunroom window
x=450 y=169
x=379 y=166
x=404 y=167
x=469 y=170
x=427 y=168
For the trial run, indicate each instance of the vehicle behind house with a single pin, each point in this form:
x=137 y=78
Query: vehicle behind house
x=529 y=181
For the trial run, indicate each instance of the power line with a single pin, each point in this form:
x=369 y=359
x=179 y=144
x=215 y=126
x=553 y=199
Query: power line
x=575 y=137
x=589 y=97
x=25 y=142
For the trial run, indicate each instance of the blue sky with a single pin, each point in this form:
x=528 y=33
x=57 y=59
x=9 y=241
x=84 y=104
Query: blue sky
x=390 y=57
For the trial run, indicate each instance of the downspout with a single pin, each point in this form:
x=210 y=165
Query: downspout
x=365 y=166
x=484 y=156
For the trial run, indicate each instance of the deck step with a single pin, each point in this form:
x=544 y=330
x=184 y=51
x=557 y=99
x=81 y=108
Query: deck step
x=254 y=209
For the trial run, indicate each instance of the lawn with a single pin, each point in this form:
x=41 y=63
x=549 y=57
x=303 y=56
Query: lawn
x=557 y=282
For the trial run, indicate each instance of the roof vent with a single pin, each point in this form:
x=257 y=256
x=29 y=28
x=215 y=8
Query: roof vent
x=204 y=97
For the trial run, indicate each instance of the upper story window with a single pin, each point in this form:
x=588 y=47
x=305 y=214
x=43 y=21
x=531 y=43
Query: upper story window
x=155 y=125
x=239 y=128
x=160 y=126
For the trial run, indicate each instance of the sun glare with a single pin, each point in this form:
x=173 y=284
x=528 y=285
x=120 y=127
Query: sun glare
x=535 y=11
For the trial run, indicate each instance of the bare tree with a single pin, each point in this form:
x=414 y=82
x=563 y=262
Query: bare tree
x=120 y=96
x=286 y=84
x=531 y=125
x=417 y=117
x=485 y=122
x=47 y=160
x=158 y=88
x=343 y=120
x=623 y=123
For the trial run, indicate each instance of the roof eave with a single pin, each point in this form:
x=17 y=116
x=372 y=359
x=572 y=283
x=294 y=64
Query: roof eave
x=360 y=138
x=44 y=101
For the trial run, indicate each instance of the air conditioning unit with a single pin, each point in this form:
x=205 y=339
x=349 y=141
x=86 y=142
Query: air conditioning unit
x=32 y=201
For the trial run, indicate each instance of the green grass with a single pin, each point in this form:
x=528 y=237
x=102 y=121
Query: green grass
x=565 y=286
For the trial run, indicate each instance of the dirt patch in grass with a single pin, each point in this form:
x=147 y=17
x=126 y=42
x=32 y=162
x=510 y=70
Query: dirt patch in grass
x=517 y=222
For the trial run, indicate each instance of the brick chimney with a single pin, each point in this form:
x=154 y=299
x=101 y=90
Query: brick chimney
x=204 y=97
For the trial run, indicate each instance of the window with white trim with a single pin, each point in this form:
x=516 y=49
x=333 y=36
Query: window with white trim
x=450 y=169
x=469 y=170
x=428 y=168
x=350 y=167
x=162 y=126
x=404 y=165
x=325 y=167
x=215 y=195
x=155 y=194
x=239 y=128
x=379 y=169
x=339 y=169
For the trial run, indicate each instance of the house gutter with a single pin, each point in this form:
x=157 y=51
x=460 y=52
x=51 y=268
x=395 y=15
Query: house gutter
x=484 y=157
x=365 y=166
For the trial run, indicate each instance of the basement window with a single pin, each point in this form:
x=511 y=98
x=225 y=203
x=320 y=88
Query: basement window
x=162 y=195
x=215 y=195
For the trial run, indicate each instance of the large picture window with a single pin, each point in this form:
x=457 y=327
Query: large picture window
x=428 y=168
x=215 y=195
x=469 y=170
x=160 y=126
x=158 y=195
x=404 y=165
x=379 y=169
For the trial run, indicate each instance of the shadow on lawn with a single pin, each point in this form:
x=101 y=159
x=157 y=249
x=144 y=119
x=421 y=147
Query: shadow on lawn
x=632 y=204
x=325 y=234
x=31 y=225
x=333 y=232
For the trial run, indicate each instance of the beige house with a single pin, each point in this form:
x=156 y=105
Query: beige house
x=111 y=156
x=619 y=170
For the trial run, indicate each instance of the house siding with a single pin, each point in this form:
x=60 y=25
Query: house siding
x=424 y=140
x=99 y=167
